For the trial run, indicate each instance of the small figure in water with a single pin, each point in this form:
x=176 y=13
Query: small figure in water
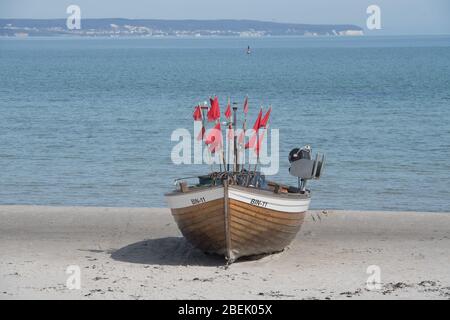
x=249 y=50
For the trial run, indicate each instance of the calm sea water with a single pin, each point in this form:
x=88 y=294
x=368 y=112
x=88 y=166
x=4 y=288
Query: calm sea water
x=88 y=121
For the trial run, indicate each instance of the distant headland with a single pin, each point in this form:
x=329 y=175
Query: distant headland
x=116 y=27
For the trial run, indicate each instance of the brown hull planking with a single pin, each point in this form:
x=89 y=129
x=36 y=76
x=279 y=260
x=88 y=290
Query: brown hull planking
x=253 y=230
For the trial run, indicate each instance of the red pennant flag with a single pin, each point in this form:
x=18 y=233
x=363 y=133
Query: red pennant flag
x=197 y=114
x=266 y=118
x=256 y=127
x=214 y=110
x=257 y=124
x=214 y=138
x=246 y=105
x=251 y=143
x=260 y=140
x=228 y=111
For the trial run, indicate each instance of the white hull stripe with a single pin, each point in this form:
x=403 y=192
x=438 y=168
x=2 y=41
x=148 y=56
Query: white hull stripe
x=272 y=203
x=184 y=200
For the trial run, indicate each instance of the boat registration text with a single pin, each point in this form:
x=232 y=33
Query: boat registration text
x=258 y=203
x=198 y=200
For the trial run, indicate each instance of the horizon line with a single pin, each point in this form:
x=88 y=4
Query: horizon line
x=185 y=19
x=369 y=33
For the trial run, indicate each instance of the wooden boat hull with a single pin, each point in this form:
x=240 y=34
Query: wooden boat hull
x=236 y=221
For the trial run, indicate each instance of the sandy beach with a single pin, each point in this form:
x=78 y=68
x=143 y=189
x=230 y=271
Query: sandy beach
x=126 y=253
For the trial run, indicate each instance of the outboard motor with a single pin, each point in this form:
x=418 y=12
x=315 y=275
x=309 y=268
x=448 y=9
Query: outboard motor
x=303 y=167
x=297 y=154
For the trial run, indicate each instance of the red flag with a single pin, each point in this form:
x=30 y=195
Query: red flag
x=260 y=140
x=246 y=105
x=257 y=124
x=228 y=111
x=214 y=111
x=266 y=118
x=197 y=114
x=252 y=141
x=214 y=138
x=256 y=127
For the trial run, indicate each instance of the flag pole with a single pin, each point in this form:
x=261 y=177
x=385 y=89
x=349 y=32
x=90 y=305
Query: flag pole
x=227 y=139
x=223 y=151
x=257 y=144
x=220 y=154
x=265 y=128
x=245 y=129
x=257 y=151
x=258 y=148
x=235 y=154
x=257 y=136
x=204 y=108
x=245 y=126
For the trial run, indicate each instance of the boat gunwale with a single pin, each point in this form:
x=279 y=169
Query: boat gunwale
x=192 y=189
x=269 y=193
x=254 y=190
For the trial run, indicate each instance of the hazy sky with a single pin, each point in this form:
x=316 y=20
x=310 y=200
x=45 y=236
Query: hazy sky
x=397 y=16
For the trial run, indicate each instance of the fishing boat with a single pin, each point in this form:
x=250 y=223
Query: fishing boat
x=237 y=212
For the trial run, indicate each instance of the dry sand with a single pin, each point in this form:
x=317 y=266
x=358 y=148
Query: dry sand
x=139 y=254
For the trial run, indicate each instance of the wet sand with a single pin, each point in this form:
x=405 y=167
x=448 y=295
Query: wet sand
x=126 y=253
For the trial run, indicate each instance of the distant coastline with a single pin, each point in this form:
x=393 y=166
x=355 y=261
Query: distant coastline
x=116 y=27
